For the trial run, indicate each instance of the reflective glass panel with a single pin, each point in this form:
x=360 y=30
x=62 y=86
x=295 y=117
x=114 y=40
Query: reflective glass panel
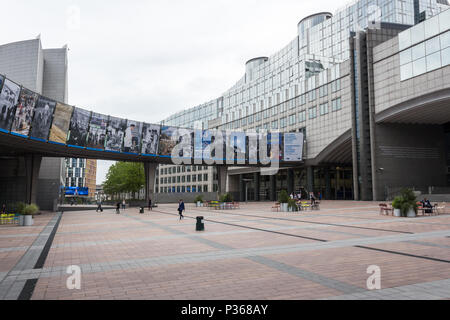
x=445 y=40
x=418 y=51
x=419 y=66
x=431 y=27
x=432 y=45
x=433 y=61
x=405 y=56
x=417 y=33
x=406 y=71
x=445 y=56
x=444 y=20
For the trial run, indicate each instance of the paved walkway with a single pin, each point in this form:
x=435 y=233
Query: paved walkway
x=248 y=253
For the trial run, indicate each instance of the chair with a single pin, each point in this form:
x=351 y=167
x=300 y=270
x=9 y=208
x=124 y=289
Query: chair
x=236 y=205
x=385 y=209
x=305 y=205
x=315 y=205
x=12 y=218
x=440 y=208
x=276 y=206
x=5 y=218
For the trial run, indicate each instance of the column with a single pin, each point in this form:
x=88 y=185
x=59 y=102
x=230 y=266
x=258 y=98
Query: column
x=310 y=179
x=327 y=184
x=273 y=188
x=32 y=166
x=222 y=174
x=256 y=179
x=242 y=188
x=290 y=181
x=150 y=174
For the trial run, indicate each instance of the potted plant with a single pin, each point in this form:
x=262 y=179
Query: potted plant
x=292 y=205
x=199 y=201
x=406 y=202
x=283 y=199
x=28 y=213
x=224 y=199
x=397 y=205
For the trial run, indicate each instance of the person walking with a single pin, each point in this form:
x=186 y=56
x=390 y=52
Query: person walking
x=123 y=204
x=150 y=204
x=118 y=208
x=99 y=205
x=181 y=209
x=313 y=198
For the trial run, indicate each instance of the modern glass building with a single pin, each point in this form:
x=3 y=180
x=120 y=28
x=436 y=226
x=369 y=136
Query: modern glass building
x=322 y=84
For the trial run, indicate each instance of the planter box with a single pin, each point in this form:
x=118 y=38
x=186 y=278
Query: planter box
x=28 y=220
x=411 y=213
x=284 y=207
x=199 y=204
x=397 y=213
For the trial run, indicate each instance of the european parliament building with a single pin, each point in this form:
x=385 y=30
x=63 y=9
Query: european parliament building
x=369 y=87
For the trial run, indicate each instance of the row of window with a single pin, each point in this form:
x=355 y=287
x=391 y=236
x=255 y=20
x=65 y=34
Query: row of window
x=425 y=56
x=179 y=169
x=179 y=179
x=300 y=100
x=301 y=116
x=183 y=189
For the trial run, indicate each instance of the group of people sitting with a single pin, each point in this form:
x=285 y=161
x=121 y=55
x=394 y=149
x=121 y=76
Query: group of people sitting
x=312 y=197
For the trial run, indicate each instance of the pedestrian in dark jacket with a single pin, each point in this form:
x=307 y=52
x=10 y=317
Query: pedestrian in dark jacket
x=181 y=208
x=118 y=207
x=150 y=204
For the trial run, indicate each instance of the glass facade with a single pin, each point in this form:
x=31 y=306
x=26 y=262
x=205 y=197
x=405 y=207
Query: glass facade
x=425 y=47
x=278 y=92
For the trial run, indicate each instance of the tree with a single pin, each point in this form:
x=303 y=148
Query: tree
x=124 y=177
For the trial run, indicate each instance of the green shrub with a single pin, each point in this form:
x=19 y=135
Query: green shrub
x=31 y=209
x=292 y=204
x=405 y=201
x=198 y=198
x=20 y=207
x=226 y=197
x=283 y=197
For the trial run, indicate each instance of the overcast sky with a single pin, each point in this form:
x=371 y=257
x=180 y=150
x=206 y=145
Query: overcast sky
x=145 y=60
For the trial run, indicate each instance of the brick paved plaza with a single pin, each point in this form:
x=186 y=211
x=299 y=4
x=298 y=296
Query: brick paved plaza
x=247 y=253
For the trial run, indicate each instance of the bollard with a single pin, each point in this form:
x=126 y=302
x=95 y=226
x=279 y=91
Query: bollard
x=200 y=226
x=141 y=210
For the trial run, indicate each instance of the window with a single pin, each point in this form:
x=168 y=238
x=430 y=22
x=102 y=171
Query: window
x=283 y=122
x=324 y=108
x=275 y=124
x=292 y=119
x=205 y=177
x=433 y=61
x=419 y=67
x=302 y=116
x=336 y=104
x=312 y=95
x=312 y=112
x=205 y=188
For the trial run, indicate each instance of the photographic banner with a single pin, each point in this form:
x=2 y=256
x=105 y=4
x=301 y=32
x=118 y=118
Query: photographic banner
x=61 y=123
x=176 y=142
x=150 y=138
x=24 y=112
x=9 y=97
x=293 y=146
x=97 y=131
x=79 y=127
x=132 y=138
x=1 y=81
x=114 y=134
x=42 y=119
x=235 y=146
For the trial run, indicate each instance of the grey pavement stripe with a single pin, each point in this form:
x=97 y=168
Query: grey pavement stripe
x=430 y=244
x=23 y=248
x=18 y=235
x=314 y=277
x=11 y=290
x=433 y=290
